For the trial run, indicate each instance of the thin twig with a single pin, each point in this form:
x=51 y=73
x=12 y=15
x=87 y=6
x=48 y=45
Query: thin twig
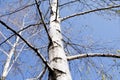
x=29 y=45
x=90 y=11
x=42 y=19
x=42 y=73
x=17 y=10
x=19 y=32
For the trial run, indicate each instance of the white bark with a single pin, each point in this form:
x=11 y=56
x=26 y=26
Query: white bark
x=7 y=66
x=57 y=57
x=9 y=57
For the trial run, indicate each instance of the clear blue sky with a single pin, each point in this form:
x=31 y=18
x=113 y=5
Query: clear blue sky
x=88 y=28
x=100 y=29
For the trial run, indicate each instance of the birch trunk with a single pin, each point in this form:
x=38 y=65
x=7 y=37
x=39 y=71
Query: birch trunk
x=57 y=57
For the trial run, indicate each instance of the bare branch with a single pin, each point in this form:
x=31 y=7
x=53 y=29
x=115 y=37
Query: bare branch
x=6 y=38
x=19 y=32
x=68 y=3
x=42 y=19
x=16 y=58
x=90 y=11
x=10 y=54
x=56 y=11
x=17 y=10
x=39 y=77
x=4 y=52
x=42 y=73
x=93 y=55
x=29 y=45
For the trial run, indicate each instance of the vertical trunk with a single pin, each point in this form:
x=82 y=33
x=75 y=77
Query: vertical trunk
x=57 y=55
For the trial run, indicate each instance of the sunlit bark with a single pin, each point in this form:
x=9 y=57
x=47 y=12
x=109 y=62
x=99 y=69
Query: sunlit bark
x=57 y=57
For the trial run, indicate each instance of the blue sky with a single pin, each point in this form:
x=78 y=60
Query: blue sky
x=100 y=29
x=105 y=29
x=84 y=30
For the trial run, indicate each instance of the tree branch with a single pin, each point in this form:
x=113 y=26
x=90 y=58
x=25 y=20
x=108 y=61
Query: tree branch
x=1 y=50
x=19 y=32
x=5 y=39
x=93 y=55
x=9 y=58
x=68 y=3
x=42 y=19
x=17 y=10
x=90 y=11
x=29 y=45
x=39 y=77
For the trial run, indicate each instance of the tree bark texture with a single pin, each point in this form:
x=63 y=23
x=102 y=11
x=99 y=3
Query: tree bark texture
x=57 y=57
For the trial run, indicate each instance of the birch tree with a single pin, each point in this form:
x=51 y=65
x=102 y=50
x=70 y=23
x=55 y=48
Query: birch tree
x=37 y=41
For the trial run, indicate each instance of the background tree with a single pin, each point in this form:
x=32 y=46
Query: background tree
x=39 y=38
